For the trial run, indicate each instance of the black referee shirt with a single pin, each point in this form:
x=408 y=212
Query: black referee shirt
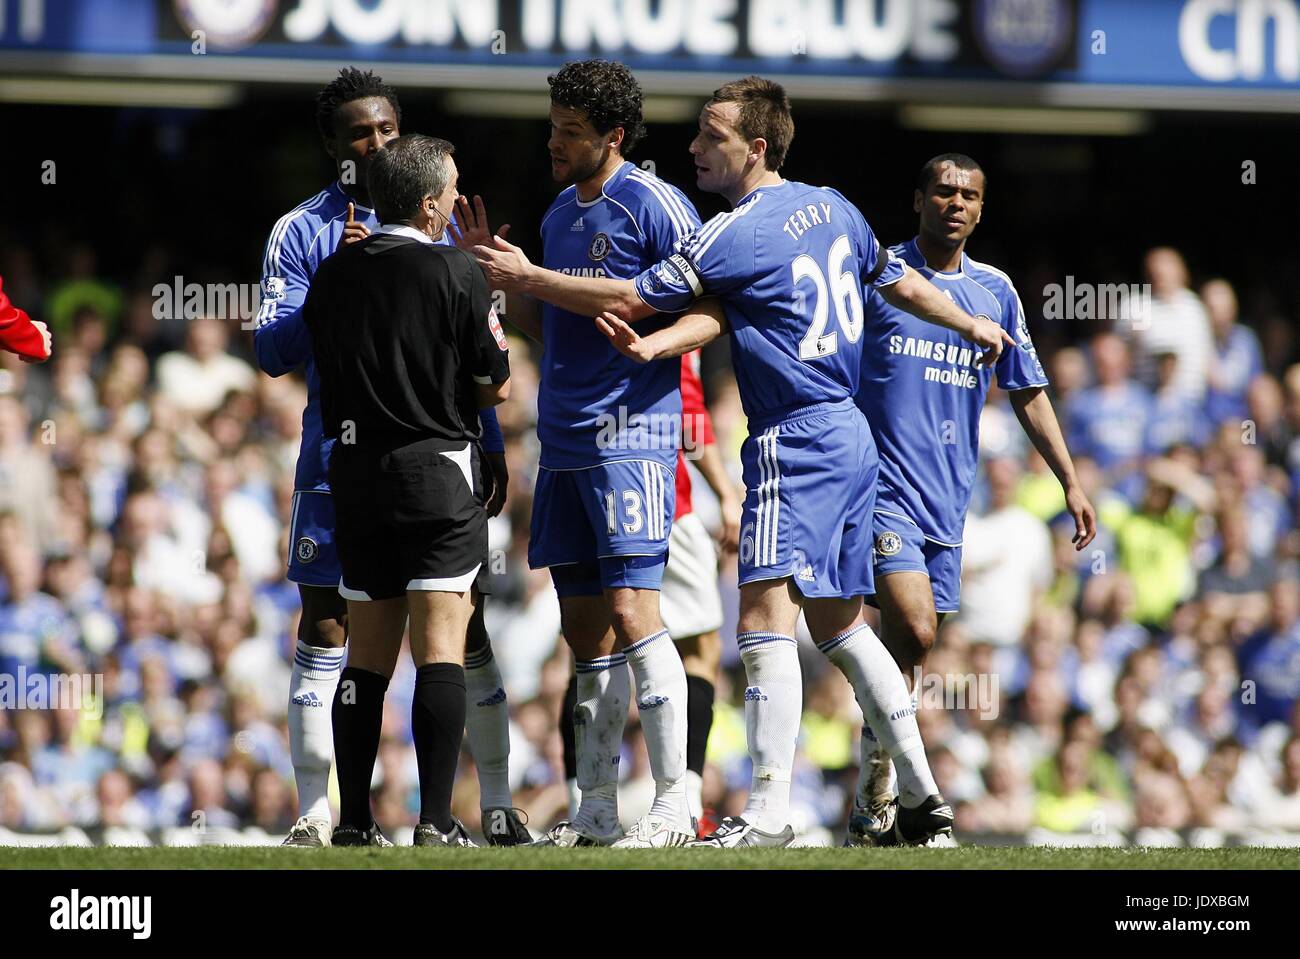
x=401 y=330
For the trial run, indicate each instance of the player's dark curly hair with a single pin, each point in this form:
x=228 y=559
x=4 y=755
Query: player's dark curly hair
x=961 y=161
x=607 y=92
x=351 y=84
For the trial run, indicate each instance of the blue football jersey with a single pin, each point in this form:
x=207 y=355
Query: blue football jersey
x=922 y=393
x=299 y=243
x=789 y=263
x=596 y=405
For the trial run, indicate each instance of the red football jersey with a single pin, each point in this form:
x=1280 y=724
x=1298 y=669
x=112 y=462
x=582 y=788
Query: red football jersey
x=17 y=334
x=697 y=427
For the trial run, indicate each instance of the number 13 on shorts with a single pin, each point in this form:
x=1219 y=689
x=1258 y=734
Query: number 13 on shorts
x=633 y=512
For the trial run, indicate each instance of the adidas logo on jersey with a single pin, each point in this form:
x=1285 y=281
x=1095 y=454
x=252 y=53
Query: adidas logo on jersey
x=755 y=694
x=806 y=574
x=578 y=226
x=308 y=699
x=498 y=697
x=653 y=702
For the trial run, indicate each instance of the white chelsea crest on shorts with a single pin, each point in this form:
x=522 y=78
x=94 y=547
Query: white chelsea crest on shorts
x=306 y=549
x=889 y=543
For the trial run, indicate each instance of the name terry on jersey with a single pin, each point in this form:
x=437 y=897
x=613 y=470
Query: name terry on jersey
x=932 y=351
x=801 y=221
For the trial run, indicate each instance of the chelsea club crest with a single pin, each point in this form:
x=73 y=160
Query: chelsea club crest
x=599 y=248
x=306 y=549
x=889 y=543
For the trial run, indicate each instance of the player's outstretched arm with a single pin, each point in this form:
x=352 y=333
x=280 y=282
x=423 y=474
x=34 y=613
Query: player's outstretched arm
x=1034 y=410
x=703 y=323
x=918 y=296
x=20 y=334
x=508 y=268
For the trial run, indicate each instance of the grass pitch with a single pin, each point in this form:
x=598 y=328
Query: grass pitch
x=969 y=857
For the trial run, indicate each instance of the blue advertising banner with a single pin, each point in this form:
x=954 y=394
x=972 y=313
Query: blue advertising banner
x=1164 y=52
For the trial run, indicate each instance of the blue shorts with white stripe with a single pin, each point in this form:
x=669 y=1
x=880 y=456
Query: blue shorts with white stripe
x=604 y=526
x=810 y=489
x=313 y=558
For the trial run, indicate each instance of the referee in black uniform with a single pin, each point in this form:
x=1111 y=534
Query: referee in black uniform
x=408 y=350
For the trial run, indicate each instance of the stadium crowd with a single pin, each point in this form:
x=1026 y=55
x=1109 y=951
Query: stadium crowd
x=1148 y=686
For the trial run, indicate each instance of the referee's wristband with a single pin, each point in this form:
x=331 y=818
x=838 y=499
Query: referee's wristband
x=492 y=441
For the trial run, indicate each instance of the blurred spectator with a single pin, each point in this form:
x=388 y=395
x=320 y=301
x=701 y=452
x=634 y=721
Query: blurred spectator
x=1107 y=422
x=198 y=378
x=1236 y=361
x=26 y=475
x=1175 y=322
x=1006 y=562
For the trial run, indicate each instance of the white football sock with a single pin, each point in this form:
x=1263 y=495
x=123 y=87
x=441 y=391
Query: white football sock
x=487 y=726
x=773 y=708
x=661 y=701
x=312 y=681
x=604 y=690
x=886 y=705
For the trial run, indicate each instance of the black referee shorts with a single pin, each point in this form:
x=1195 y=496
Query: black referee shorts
x=409 y=519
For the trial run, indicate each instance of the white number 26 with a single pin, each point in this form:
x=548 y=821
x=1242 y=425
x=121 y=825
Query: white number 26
x=844 y=291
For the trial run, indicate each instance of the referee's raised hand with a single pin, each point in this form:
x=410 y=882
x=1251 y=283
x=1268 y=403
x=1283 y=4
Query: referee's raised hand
x=352 y=230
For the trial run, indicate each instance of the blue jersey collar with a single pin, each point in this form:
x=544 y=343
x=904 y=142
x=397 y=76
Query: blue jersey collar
x=922 y=267
x=337 y=187
x=610 y=184
x=754 y=192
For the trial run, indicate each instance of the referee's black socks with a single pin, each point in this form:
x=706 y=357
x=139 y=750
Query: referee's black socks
x=437 y=725
x=358 y=714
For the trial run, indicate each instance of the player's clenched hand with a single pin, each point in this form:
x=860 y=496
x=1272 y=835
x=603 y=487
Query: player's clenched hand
x=352 y=230
x=470 y=224
x=1085 y=518
x=499 y=474
x=624 y=338
x=504 y=264
x=991 y=337
x=46 y=338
